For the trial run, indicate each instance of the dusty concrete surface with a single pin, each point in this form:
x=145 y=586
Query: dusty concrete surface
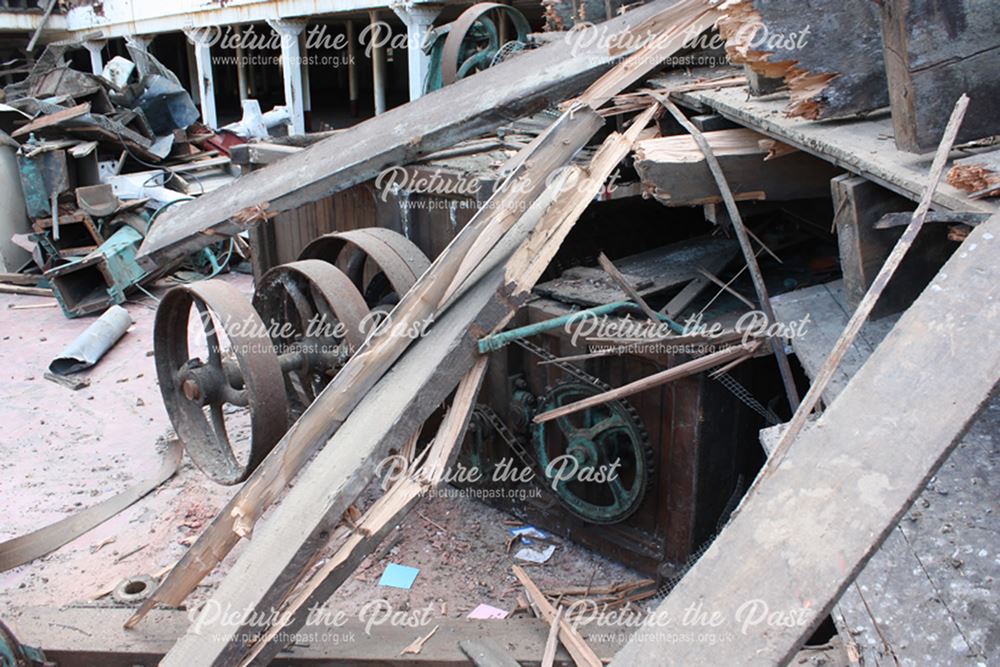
x=63 y=450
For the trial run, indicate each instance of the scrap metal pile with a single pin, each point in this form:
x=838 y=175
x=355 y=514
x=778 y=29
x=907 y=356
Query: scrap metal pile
x=99 y=157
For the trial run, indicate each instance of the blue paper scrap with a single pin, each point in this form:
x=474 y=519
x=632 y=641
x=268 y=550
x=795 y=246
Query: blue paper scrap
x=398 y=576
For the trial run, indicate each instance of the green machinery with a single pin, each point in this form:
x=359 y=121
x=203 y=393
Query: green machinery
x=479 y=38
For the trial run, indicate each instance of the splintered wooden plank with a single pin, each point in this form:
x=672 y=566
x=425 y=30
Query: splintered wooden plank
x=829 y=53
x=383 y=515
x=794 y=547
x=913 y=599
x=471 y=106
x=934 y=52
x=674 y=170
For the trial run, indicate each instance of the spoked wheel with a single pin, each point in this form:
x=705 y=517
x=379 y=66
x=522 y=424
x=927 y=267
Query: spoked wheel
x=316 y=318
x=598 y=459
x=381 y=263
x=473 y=40
x=222 y=364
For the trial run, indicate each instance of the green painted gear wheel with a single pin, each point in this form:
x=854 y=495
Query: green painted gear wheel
x=572 y=451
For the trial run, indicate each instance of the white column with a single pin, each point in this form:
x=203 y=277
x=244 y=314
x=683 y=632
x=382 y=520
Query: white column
x=352 y=69
x=241 y=67
x=291 y=69
x=306 y=92
x=201 y=41
x=378 y=64
x=193 y=73
x=419 y=20
x=96 y=59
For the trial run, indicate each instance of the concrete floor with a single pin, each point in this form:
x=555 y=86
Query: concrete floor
x=63 y=450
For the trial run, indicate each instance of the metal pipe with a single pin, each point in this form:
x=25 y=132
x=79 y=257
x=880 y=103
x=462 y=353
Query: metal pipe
x=504 y=338
x=88 y=348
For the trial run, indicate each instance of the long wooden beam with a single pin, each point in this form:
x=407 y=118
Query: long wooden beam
x=89 y=636
x=777 y=569
x=684 y=370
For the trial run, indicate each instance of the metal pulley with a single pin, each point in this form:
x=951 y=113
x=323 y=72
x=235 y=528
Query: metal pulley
x=473 y=42
x=234 y=375
x=214 y=368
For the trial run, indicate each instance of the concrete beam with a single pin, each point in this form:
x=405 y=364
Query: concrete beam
x=95 y=47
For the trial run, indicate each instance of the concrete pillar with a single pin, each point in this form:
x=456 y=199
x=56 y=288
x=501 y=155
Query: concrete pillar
x=95 y=46
x=419 y=20
x=352 y=69
x=201 y=41
x=306 y=92
x=378 y=64
x=291 y=69
x=242 y=83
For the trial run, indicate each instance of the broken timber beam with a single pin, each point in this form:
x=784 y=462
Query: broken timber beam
x=826 y=509
x=686 y=369
x=829 y=54
x=934 y=52
x=674 y=170
x=469 y=107
x=384 y=515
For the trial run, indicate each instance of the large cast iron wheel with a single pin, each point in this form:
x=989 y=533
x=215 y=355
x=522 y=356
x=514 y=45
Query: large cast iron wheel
x=316 y=317
x=222 y=362
x=381 y=263
x=594 y=439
